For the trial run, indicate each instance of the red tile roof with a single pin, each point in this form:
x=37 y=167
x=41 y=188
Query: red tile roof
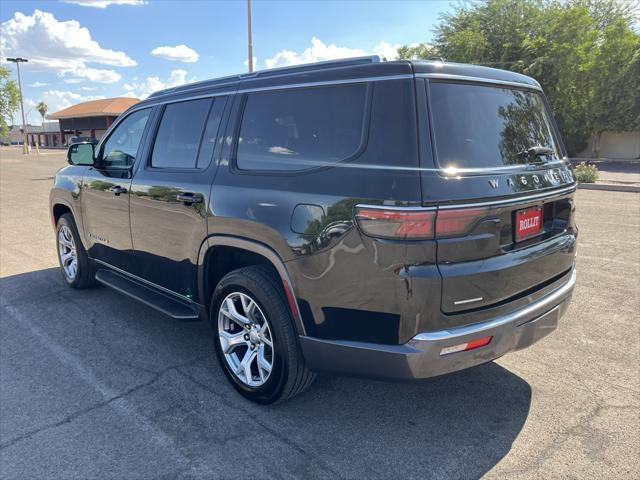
x=96 y=108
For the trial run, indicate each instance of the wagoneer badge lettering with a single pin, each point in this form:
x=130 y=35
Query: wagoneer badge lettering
x=494 y=182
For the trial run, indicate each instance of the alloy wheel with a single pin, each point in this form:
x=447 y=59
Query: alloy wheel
x=245 y=338
x=67 y=252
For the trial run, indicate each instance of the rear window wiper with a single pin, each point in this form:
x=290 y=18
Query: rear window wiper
x=533 y=153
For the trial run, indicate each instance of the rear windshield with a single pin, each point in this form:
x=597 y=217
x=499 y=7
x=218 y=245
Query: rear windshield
x=478 y=126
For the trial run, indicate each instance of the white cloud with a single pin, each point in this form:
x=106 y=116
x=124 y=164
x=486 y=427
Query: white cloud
x=180 y=53
x=105 y=3
x=390 y=52
x=320 y=51
x=64 y=47
x=38 y=84
x=58 y=99
x=152 y=84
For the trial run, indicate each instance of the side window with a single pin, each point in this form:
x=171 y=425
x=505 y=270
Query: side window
x=301 y=128
x=179 y=134
x=120 y=149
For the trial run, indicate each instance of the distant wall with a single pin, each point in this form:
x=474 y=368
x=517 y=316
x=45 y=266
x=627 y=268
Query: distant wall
x=622 y=145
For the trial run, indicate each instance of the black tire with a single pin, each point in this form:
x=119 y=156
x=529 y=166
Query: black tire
x=85 y=270
x=289 y=375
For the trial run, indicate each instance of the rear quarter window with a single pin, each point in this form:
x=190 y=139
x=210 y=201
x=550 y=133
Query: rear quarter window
x=299 y=129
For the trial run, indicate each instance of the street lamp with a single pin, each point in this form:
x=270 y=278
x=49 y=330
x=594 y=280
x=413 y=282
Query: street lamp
x=250 y=43
x=17 y=60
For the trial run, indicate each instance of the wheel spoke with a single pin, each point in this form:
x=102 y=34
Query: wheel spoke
x=233 y=314
x=72 y=269
x=247 y=360
x=263 y=363
x=230 y=341
x=66 y=258
x=246 y=303
x=264 y=329
x=64 y=241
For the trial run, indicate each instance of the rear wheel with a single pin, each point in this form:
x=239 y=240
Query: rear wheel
x=256 y=342
x=77 y=270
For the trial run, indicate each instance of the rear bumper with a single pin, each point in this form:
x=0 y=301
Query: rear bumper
x=420 y=357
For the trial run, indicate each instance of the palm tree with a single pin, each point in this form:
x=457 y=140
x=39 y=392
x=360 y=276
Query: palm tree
x=42 y=108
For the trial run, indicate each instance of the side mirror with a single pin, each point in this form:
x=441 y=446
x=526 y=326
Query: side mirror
x=81 y=153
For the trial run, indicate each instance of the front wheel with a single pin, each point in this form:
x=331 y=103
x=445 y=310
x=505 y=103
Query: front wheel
x=77 y=270
x=256 y=342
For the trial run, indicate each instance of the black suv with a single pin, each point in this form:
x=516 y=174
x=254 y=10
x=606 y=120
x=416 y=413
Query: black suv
x=396 y=220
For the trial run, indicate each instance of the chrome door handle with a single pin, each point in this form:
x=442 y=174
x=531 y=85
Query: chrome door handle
x=117 y=190
x=189 y=198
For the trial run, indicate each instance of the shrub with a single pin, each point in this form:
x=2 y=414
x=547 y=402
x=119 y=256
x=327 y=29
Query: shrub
x=586 y=173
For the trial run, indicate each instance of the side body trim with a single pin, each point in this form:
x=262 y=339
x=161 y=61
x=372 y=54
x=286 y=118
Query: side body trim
x=142 y=280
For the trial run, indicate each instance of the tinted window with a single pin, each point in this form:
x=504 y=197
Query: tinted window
x=120 y=149
x=179 y=134
x=479 y=126
x=301 y=128
x=210 y=133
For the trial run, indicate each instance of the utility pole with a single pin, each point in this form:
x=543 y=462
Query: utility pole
x=25 y=146
x=249 y=33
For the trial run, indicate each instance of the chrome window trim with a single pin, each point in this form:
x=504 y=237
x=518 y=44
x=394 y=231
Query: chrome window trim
x=465 y=78
x=389 y=207
x=525 y=199
x=273 y=87
x=478 y=328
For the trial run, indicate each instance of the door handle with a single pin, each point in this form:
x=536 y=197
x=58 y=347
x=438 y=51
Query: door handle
x=189 y=198
x=117 y=190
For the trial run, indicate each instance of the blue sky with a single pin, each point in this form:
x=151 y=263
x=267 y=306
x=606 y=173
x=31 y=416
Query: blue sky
x=79 y=52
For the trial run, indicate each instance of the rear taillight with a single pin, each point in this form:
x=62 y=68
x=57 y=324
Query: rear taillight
x=417 y=223
x=456 y=222
x=405 y=223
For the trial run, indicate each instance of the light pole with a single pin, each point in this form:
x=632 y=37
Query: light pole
x=249 y=33
x=17 y=60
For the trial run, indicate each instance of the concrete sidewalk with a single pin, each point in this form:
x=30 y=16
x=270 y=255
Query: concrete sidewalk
x=614 y=175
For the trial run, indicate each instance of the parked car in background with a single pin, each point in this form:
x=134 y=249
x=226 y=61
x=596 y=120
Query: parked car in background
x=394 y=220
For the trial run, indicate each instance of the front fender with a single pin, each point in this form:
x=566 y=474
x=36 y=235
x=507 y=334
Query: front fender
x=66 y=190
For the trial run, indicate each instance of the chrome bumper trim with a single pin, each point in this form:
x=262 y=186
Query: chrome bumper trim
x=513 y=317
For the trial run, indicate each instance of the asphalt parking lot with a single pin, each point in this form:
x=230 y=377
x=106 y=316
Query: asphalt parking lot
x=94 y=385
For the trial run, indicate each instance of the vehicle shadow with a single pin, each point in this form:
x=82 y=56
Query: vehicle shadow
x=455 y=426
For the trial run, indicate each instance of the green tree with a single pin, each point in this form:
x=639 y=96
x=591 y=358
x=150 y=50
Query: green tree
x=420 y=50
x=42 y=109
x=615 y=83
x=9 y=100
x=583 y=52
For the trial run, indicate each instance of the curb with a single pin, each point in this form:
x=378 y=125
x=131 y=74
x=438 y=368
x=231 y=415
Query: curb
x=609 y=187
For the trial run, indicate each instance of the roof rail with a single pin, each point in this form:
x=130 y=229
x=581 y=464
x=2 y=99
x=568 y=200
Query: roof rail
x=340 y=62
x=304 y=67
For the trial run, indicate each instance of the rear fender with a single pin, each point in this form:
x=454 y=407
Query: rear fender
x=260 y=249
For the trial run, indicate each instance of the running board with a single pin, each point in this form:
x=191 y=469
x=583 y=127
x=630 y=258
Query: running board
x=152 y=297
